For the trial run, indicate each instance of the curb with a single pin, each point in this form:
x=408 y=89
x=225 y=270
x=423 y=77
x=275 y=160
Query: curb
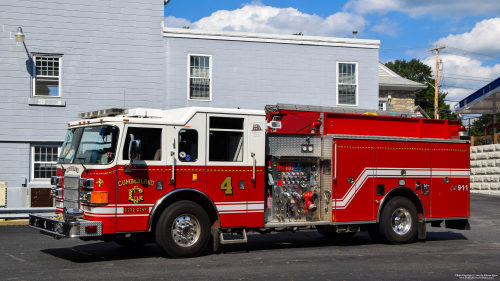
x=14 y=222
x=486 y=192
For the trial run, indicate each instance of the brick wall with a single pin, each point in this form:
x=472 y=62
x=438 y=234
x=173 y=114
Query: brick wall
x=485 y=169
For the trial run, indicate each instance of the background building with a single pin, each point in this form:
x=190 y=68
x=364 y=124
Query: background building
x=395 y=92
x=81 y=56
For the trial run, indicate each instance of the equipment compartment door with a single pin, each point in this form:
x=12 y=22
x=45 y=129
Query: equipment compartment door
x=353 y=189
x=228 y=167
x=450 y=186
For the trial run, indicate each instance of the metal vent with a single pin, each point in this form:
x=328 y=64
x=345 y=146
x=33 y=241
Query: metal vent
x=71 y=192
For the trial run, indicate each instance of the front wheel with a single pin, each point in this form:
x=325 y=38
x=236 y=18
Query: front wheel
x=398 y=221
x=183 y=230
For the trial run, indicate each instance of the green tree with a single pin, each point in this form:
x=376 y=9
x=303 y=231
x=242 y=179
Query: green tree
x=419 y=72
x=478 y=127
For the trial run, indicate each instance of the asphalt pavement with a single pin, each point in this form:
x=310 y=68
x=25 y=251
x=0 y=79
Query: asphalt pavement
x=445 y=255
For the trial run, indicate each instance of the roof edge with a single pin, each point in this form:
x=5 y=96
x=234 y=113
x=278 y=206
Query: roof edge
x=270 y=38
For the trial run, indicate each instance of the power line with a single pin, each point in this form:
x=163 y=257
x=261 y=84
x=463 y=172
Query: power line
x=466 y=79
x=467 y=76
x=459 y=87
x=471 y=57
x=473 y=52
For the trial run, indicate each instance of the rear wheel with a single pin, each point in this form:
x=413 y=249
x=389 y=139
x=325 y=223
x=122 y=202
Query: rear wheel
x=183 y=230
x=398 y=221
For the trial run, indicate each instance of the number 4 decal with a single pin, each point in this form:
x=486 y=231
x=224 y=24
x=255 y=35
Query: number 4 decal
x=227 y=186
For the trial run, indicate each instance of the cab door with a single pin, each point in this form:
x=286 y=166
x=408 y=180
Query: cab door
x=228 y=168
x=189 y=153
x=138 y=190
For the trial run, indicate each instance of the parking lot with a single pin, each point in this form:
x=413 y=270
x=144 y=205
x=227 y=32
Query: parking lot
x=445 y=255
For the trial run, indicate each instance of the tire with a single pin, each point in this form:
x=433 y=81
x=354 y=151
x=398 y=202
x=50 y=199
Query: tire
x=398 y=221
x=183 y=230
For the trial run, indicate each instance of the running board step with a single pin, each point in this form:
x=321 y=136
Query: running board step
x=234 y=241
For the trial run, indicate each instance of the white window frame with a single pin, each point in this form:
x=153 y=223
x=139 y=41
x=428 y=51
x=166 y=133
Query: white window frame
x=189 y=76
x=35 y=76
x=384 y=105
x=338 y=79
x=32 y=161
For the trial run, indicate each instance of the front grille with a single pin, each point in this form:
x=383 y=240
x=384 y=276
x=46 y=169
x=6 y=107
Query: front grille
x=71 y=192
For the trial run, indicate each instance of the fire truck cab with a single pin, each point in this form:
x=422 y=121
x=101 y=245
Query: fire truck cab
x=183 y=177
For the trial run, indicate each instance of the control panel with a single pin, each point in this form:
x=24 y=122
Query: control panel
x=295 y=191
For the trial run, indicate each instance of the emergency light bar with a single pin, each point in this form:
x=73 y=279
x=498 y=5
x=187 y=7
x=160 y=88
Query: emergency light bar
x=103 y=113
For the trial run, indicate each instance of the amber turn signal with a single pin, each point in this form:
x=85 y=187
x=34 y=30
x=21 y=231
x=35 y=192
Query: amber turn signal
x=100 y=197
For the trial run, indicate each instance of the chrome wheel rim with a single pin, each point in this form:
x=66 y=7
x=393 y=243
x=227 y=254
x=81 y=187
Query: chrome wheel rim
x=401 y=221
x=185 y=230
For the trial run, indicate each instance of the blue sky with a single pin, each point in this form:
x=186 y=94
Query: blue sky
x=405 y=28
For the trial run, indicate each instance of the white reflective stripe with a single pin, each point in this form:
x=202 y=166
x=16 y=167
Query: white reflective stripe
x=232 y=212
x=394 y=172
x=460 y=173
x=135 y=205
x=226 y=203
x=104 y=210
x=256 y=206
x=231 y=207
x=256 y=211
x=143 y=215
x=255 y=202
x=440 y=173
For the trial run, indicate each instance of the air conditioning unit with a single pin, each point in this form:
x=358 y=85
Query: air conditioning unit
x=3 y=194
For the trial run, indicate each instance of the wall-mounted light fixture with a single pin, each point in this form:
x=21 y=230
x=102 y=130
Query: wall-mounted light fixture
x=19 y=35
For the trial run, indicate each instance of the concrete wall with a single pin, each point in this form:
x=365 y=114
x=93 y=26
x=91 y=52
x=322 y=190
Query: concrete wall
x=253 y=74
x=485 y=169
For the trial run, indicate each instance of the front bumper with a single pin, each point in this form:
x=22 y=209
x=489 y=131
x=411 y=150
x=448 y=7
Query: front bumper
x=53 y=225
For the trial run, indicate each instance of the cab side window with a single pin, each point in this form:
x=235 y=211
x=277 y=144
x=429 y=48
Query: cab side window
x=188 y=145
x=150 y=143
x=226 y=139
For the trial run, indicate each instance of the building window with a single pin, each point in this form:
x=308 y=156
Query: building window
x=200 y=77
x=347 y=83
x=382 y=105
x=47 y=76
x=226 y=139
x=44 y=161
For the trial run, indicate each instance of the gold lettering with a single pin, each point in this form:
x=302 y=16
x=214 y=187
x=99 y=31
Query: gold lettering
x=137 y=181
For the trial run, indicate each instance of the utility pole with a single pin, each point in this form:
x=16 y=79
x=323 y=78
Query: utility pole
x=437 y=81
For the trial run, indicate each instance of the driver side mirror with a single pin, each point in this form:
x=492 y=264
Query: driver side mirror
x=134 y=153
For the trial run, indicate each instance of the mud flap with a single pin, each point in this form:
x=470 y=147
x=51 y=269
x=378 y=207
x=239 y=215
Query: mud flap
x=213 y=243
x=457 y=224
x=422 y=230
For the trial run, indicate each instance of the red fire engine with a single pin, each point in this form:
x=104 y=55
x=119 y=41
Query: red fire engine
x=184 y=177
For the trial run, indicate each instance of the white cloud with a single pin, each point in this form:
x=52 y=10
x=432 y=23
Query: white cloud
x=417 y=8
x=461 y=72
x=386 y=27
x=256 y=17
x=482 y=38
x=172 y=21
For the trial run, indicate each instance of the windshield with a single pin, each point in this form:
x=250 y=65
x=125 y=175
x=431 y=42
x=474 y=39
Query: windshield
x=90 y=145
